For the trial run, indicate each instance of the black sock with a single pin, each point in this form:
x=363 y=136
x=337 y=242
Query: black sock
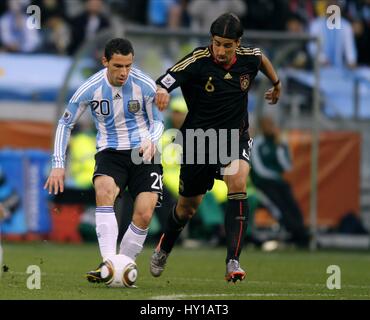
x=172 y=231
x=236 y=222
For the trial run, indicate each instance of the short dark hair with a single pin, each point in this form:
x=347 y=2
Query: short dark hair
x=119 y=46
x=227 y=25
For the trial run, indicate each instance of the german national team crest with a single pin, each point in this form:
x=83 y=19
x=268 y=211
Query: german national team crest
x=244 y=82
x=133 y=106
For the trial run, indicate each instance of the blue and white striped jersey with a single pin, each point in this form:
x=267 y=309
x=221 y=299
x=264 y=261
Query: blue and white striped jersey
x=123 y=116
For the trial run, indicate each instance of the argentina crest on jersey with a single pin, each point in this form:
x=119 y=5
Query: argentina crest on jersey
x=67 y=117
x=133 y=106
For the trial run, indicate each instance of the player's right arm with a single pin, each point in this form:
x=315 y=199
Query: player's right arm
x=77 y=105
x=183 y=71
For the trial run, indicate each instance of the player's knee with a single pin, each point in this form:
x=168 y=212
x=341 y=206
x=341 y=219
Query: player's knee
x=104 y=196
x=237 y=184
x=143 y=216
x=185 y=211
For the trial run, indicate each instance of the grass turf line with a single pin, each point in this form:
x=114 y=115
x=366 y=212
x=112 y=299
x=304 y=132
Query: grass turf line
x=190 y=274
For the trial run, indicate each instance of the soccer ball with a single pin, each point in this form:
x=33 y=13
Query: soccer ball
x=119 y=271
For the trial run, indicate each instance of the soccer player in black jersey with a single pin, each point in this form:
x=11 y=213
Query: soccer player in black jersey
x=215 y=81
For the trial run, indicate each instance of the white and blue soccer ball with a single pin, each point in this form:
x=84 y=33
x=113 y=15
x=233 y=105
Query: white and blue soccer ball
x=119 y=271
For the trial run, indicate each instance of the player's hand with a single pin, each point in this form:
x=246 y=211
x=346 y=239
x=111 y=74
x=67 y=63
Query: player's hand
x=147 y=149
x=55 y=182
x=162 y=98
x=273 y=94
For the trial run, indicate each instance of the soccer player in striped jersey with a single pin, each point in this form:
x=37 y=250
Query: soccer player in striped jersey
x=215 y=81
x=121 y=101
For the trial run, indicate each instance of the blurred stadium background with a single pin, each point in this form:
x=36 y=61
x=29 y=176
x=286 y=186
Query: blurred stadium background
x=324 y=111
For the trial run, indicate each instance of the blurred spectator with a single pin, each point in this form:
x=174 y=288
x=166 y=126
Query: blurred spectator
x=358 y=10
x=358 y=13
x=265 y=14
x=3 y=7
x=203 y=13
x=50 y=8
x=337 y=45
x=299 y=58
x=165 y=13
x=305 y=9
x=270 y=159
x=15 y=36
x=54 y=28
x=131 y=11
x=86 y=25
x=56 y=35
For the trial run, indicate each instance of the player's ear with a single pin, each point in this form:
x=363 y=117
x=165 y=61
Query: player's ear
x=238 y=42
x=104 y=61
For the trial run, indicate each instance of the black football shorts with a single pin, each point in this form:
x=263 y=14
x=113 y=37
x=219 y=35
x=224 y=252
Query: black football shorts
x=197 y=179
x=137 y=177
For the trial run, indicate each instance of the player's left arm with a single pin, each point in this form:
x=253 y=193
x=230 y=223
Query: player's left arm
x=55 y=181
x=156 y=128
x=273 y=94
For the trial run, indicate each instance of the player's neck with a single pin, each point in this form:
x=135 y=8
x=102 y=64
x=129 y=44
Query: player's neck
x=226 y=66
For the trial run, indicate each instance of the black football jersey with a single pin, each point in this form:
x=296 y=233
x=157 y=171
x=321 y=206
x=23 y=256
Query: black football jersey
x=216 y=97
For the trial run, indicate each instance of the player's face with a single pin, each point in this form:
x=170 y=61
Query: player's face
x=224 y=49
x=119 y=67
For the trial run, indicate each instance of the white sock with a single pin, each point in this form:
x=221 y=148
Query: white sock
x=133 y=241
x=106 y=230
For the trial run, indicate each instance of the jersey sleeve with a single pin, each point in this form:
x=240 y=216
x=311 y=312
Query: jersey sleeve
x=156 y=125
x=252 y=56
x=256 y=58
x=184 y=70
x=76 y=106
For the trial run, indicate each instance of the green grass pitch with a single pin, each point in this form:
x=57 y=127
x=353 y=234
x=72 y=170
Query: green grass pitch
x=190 y=274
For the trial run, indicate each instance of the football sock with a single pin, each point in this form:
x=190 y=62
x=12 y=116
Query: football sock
x=172 y=231
x=106 y=230
x=236 y=221
x=133 y=241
